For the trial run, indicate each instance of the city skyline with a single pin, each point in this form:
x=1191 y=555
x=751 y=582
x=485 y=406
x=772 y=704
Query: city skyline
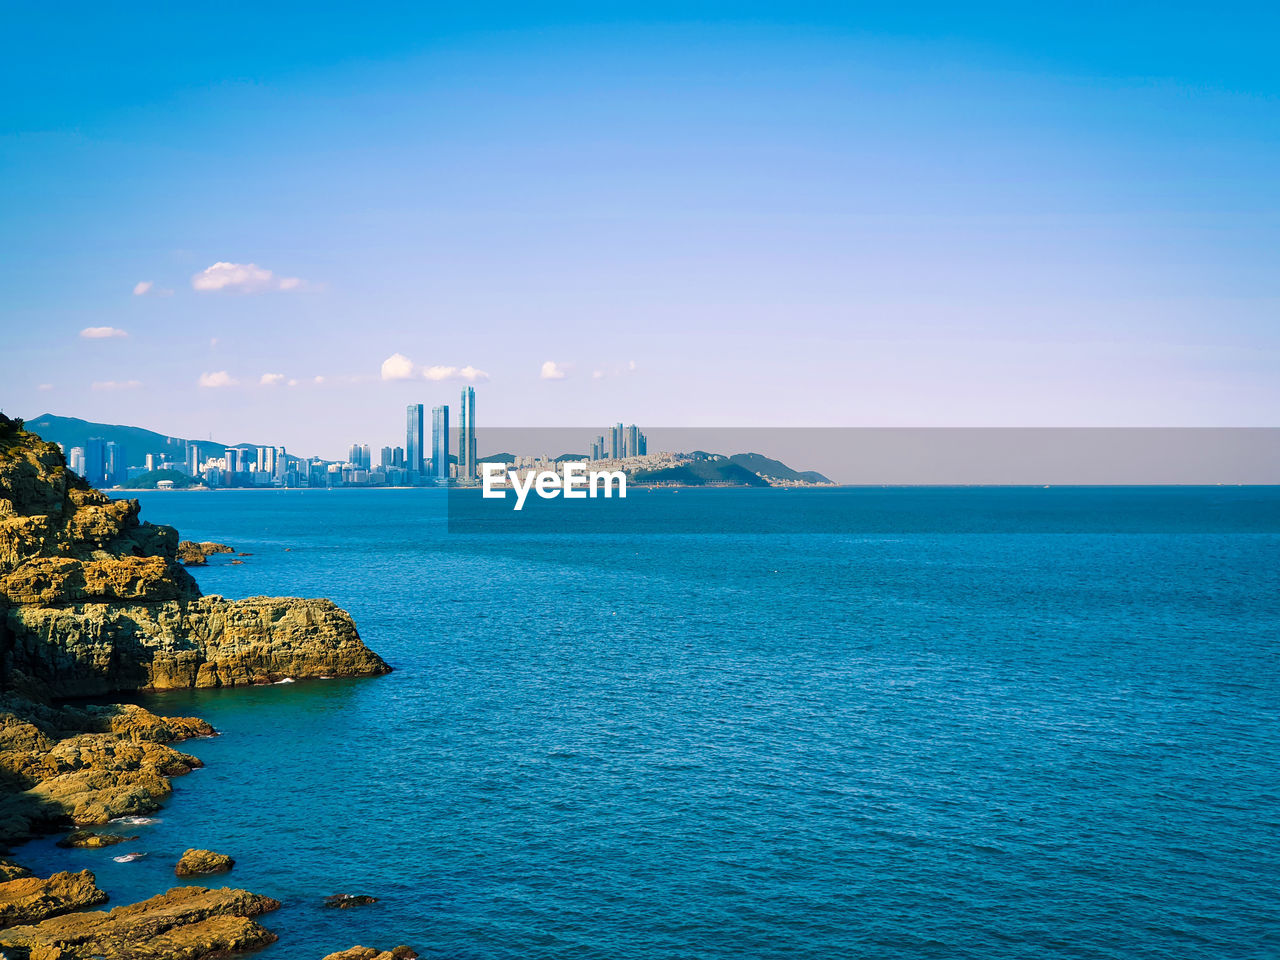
x=948 y=217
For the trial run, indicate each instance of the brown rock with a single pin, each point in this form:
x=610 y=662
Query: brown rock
x=345 y=901
x=32 y=899
x=371 y=953
x=186 y=923
x=89 y=840
x=195 y=863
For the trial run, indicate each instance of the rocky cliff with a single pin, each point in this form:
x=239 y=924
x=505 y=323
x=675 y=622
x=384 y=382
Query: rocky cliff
x=93 y=600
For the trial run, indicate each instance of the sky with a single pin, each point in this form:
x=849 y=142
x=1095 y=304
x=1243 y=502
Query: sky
x=281 y=223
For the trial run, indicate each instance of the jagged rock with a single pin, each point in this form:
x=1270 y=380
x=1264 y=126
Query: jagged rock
x=345 y=901
x=195 y=863
x=33 y=899
x=87 y=839
x=196 y=554
x=12 y=871
x=186 y=923
x=87 y=765
x=93 y=600
x=371 y=953
x=92 y=649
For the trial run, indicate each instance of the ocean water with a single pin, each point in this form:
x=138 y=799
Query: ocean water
x=802 y=745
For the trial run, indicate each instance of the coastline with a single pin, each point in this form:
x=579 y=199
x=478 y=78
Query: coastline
x=94 y=603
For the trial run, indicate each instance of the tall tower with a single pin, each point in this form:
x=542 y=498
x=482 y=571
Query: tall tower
x=95 y=461
x=467 y=435
x=440 y=443
x=413 y=441
x=633 y=441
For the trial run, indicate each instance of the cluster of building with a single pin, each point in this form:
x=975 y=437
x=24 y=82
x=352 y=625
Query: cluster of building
x=620 y=444
x=427 y=458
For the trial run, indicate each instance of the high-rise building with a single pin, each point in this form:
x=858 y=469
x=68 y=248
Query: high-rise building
x=267 y=460
x=413 y=440
x=193 y=459
x=151 y=462
x=633 y=441
x=76 y=460
x=397 y=457
x=282 y=464
x=440 y=442
x=114 y=466
x=232 y=459
x=467 y=435
x=385 y=458
x=642 y=448
x=95 y=461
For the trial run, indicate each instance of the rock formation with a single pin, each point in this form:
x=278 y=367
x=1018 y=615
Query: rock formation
x=94 y=601
x=370 y=953
x=88 y=840
x=194 y=554
x=195 y=863
x=185 y=923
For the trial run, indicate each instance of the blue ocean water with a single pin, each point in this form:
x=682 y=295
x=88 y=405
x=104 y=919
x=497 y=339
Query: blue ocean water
x=801 y=745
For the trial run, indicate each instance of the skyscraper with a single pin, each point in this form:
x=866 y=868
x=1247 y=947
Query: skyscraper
x=633 y=441
x=440 y=442
x=267 y=460
x=114 y=463
x=193 y=459
x=76 y=460
x=413 y=441
x=95 y=460
x=467 y=435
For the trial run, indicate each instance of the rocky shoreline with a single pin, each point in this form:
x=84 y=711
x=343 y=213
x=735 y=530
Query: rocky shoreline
x=95 y=602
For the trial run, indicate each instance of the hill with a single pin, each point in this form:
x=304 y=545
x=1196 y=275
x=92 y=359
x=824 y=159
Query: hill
x=137 y=442
x=700 y=473
x=776 y=469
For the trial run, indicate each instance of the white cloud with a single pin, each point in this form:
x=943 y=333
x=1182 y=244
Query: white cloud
x=241 y=278
x=597 y=374
x=116 y=384
x=102 y=333
x=271 y=379
x=148 y=288
x=219 y=378
x=293 y=383
x=468 y=373
x=552 y=371
x=317 y=379
x=213 y=341
x=397 y=367
x=631 y=364
x=45 y=386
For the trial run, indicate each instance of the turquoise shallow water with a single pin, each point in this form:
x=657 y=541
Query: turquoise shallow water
x=796 y=745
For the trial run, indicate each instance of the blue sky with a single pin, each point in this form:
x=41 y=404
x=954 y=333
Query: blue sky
x=695 y=214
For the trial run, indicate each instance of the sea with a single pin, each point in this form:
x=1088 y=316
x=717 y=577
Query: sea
x=885 y=730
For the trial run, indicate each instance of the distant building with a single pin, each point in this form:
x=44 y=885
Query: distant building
x=151 y=462
x=76 y=460
x=397 y=458
x=95 y=461
x=440 y=442
x=467 y=435
x=193 y=459
x=114 y=466
x=413 y=440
